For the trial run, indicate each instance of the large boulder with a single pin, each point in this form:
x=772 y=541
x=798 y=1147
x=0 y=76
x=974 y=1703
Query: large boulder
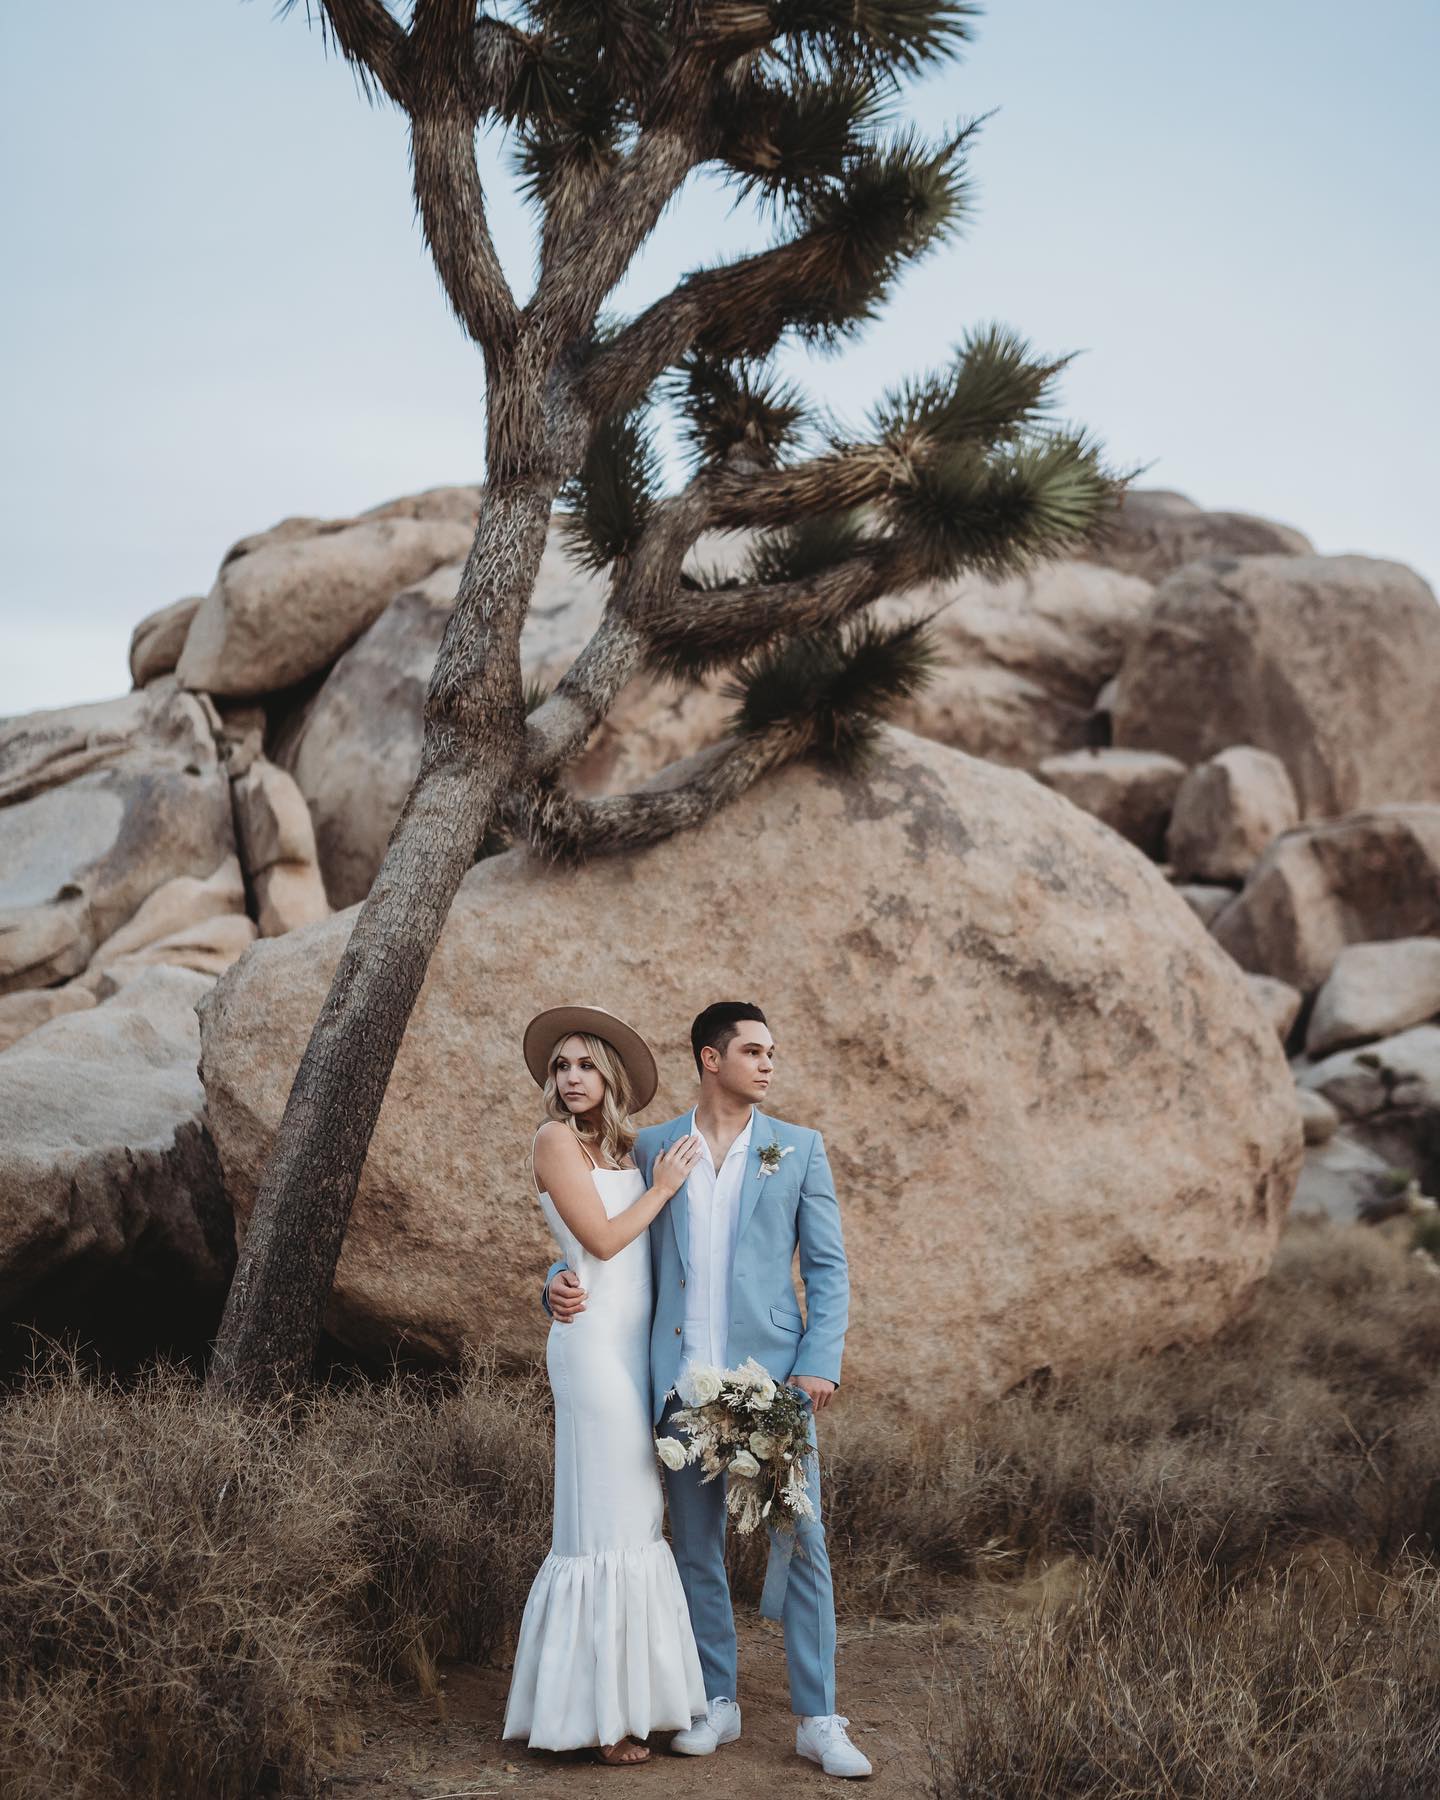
x=100 y=805
x=104 y=1159
x=1024 y=658
x=1205 y=899
x=1388 y=1096
x=287 y=602
x=28 y=1008
x=1227 y=814
x=1279 y=1002
x=156 y=642
x=1156 y=530
x=459 y=505
x=191 y=924
x=1032 y=1067
x=208 y=946
x=277 y=845
x=1131 y=791
x=1373 y=991
x=1370 y=877
x=1330 y=662
x=186 y=922
x=355 y=751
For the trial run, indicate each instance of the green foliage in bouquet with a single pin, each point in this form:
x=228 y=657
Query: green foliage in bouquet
x=744 y=1425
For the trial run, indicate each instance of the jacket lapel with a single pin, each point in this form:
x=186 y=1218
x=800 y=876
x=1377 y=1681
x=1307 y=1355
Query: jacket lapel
x=761 y=1132
x=679 y=1207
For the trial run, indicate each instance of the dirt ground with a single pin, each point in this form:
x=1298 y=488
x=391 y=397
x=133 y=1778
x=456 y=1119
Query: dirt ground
x=409 y=1747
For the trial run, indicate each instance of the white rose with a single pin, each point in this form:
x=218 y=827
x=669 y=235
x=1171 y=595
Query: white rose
x=743 y=1463
x=672 y=1452
x=701 y=1386
x=763 y=1395
x=761 y=1445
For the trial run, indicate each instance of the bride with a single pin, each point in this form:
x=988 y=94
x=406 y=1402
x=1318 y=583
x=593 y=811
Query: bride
x=606 y=1654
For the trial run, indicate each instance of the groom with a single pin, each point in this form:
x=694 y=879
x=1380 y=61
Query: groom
x=721 y=1255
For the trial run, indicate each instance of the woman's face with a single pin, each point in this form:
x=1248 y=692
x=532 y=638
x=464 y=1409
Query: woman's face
x=578 y=1082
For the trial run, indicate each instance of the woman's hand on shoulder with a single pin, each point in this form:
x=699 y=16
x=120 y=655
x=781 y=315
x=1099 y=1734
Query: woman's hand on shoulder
x=672 y=1166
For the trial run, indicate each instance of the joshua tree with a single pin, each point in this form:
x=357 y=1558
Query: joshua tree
x=611 y=104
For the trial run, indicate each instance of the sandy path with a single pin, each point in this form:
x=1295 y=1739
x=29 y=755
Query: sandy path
x=416 y=1749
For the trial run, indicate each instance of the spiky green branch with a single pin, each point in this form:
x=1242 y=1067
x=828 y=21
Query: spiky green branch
x=893 y=203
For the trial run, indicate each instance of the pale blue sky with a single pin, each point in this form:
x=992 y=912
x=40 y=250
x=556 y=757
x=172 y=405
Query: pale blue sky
x=218 y=310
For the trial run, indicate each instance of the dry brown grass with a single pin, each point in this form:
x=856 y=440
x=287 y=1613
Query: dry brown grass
x=1222 y=1558
x=1314 y=1418
x=185 y=1587
x=1297 y=1684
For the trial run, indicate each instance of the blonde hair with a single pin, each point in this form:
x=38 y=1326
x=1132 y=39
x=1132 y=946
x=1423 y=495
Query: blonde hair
x=615 y=1132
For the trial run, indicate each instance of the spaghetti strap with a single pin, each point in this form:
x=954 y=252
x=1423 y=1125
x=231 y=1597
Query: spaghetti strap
x=530 y=1159
x=578 y=1139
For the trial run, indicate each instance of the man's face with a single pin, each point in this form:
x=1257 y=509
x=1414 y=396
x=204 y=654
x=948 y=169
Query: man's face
x=747 y=1063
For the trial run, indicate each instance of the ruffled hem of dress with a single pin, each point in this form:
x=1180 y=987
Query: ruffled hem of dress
x=605 y=1649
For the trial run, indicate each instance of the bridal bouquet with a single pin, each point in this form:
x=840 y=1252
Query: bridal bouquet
x=740 y=1423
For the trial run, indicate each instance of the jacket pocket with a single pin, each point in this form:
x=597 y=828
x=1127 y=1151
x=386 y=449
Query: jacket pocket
x=787 y=1320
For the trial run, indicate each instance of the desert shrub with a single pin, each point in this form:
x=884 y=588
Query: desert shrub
x=175 y=1591
x=450 y=1488
x=1152 y=1679
x=186 y=1586
x=1315 y=1416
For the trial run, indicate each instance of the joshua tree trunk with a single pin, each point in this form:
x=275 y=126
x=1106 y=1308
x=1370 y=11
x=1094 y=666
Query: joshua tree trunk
x=474 y=730
x=614 y=103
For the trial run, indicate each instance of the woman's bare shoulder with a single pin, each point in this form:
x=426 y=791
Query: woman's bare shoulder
x=558 y=1139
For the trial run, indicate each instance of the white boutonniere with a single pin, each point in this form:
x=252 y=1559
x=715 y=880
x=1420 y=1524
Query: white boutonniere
x=770 y=1155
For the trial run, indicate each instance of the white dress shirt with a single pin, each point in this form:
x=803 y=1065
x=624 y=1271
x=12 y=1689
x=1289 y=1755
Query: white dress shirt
x=714 y=1206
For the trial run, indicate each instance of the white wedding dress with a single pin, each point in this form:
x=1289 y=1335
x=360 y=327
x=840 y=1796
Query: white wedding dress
x=605 y=1644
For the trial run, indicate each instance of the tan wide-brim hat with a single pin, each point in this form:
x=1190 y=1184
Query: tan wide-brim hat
x=546 y=1028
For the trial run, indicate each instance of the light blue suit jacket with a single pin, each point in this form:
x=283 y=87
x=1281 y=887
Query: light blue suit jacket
x=793 y=1208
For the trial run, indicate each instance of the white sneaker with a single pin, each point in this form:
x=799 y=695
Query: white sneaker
x=823 y=1740
x=718 y=1724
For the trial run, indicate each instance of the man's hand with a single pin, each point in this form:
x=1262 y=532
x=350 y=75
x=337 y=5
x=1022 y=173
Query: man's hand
x=566 y=1296
x=817 y=1387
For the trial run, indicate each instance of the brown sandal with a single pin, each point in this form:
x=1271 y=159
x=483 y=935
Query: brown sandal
x=622 y=1762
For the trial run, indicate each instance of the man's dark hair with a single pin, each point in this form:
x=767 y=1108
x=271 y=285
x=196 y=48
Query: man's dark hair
x=718 y=1024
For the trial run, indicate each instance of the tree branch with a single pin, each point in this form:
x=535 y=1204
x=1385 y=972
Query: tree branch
x=853 y=475
x=585 y=263
x=440 y=56
x=561 y=825
x=451 y=203
x=368 y=37
x=891 y=205
x=678 y=130
x=693 y=633
x=559 y=729
x=660 y=336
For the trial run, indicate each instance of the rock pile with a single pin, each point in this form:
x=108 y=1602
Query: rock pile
x=1251 y=717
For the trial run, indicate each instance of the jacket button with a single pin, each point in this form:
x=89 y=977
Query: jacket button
x=677 y=1331
x=682 y=1281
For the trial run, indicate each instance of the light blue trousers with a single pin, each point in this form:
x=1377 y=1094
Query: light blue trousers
x=697 y=1535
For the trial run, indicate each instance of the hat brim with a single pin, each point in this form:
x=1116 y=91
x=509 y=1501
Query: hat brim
x=557 y=1022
